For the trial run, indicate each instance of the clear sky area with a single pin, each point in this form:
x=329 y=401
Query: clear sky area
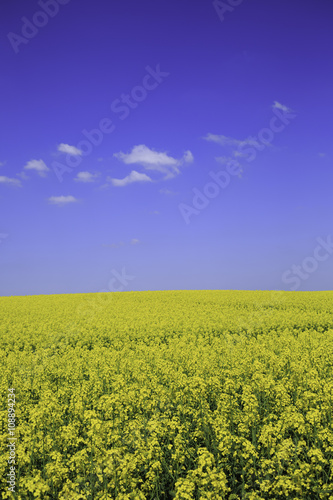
x=161 y=145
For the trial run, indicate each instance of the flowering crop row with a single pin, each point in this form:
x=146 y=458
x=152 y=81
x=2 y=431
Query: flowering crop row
x=169 y=395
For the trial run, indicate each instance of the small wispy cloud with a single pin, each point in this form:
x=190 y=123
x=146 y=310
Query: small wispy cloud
x=223 y=140
x=38 y=166
x=154 y=160
x=71 y=150
x=2 y=163
x=322 y=155
x=278 y=105
x=86 y=177
x=134 y=241
x=188 y=157
x=10 y=181
x=134 y=176
x=62 y=200
x=154 y=212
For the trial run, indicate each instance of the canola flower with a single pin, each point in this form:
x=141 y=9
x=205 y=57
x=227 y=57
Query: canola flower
x=169 y=395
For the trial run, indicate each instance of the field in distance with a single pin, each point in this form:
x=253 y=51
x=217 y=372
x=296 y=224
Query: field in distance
x=168 y=395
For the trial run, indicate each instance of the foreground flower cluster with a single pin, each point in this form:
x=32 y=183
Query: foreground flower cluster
x=169 y=395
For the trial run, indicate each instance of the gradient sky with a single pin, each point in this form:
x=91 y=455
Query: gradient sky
x=120 y=210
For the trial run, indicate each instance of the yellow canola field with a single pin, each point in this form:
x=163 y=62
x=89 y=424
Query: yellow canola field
x=169 y=395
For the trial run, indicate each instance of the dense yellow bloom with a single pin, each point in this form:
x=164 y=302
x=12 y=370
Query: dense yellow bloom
x=203 y=395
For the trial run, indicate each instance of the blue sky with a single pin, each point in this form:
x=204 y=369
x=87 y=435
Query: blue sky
x=117 y=119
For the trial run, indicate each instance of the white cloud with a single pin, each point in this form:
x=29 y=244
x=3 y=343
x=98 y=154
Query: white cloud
x=134 y=241
x=129 y=179
x=2 y=163
x=153 y=160
x=61 y=200
x=9 y=180
x=219 y=139
x=71 y=150
x=278 y=105
x=229 y=141
x=154 y=212
x=86 y=177
x=322 y=155
x=188 y=157
x=37 y=165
